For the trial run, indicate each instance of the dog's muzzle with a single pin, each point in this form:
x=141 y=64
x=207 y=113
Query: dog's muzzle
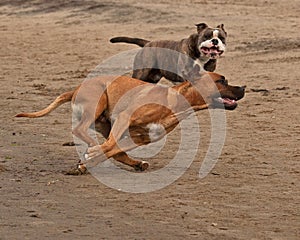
x=229 y=102
x=212 y=48
x=212 y=52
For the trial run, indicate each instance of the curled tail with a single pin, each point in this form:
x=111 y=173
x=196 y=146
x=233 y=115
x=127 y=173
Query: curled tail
x=138 y=41
x=63 y=98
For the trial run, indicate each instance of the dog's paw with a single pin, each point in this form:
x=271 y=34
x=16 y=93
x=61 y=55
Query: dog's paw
x=142 y=166
x=92 y=152
x=82 y=168
x=79 y=170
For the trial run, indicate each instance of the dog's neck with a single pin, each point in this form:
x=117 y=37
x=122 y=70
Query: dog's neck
x=192 y=46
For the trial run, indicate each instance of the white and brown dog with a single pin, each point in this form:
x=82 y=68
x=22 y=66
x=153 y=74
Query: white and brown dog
x=130 y=113
x=152 y=62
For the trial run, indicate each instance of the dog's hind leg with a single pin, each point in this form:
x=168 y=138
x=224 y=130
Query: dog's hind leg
x=87 y=118
x=108 y=149
x=81 y=130
x=120 y=126
x=104 y=128
x=136 y=164
x=89 y=115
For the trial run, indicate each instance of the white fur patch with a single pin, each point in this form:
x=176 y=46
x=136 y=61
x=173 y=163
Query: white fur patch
x=208 y=43
x=201 y=62
x=215 y=33
x=156 y=131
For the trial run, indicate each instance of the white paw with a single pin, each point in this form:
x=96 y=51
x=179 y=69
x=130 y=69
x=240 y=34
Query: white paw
x=86 y=156
x=92 y=152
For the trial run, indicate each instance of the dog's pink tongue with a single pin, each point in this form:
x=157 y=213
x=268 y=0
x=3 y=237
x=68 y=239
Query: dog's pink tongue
x=228 y=101
x=214 y=50
x=205 y=50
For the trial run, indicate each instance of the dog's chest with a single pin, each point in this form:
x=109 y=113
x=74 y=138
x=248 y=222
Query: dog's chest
x=156 y=131
x=201 y=61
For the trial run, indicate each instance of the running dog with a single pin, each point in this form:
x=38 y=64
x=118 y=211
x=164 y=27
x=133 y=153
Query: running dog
x=129 y=112
x=152 y=62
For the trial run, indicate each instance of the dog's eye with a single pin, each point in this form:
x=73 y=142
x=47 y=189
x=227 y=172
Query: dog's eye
x=223 y=81
x=222 y=40
x=207 y=36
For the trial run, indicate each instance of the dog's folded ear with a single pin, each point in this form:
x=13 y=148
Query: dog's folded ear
x=221 y=26
x=201 y=27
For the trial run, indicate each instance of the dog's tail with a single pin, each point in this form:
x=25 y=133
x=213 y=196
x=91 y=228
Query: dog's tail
x=138 y=41
x=63 y=98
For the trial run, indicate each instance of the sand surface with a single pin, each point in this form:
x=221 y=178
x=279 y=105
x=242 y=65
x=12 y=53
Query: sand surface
x=253 y=192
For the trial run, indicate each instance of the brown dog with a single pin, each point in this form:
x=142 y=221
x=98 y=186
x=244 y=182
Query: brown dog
x=152 y=62
x=124 y=111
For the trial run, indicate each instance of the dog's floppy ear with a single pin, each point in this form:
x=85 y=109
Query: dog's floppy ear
x=221 y=26
x=201 y=27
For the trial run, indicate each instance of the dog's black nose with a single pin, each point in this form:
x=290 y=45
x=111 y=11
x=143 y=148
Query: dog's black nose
x=240 y=93
x=215 y=41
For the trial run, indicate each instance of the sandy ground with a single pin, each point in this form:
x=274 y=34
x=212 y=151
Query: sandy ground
x=48 y=47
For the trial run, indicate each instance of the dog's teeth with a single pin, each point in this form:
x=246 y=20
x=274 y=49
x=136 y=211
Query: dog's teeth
x=221 y=100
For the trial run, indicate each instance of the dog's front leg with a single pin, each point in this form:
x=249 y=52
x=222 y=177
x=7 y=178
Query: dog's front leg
x=119 y=127
x=100 y=153
x=100 y=150
x=210 y=65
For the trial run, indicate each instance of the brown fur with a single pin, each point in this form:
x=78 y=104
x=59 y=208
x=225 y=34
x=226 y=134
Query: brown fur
x=105 y=102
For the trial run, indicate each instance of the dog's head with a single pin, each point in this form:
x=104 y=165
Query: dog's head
x=227 y=95
x=214 y=89
x=211 y=41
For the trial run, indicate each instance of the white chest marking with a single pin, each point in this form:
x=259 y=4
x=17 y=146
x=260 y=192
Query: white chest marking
x=201 y=62
x=156 y=131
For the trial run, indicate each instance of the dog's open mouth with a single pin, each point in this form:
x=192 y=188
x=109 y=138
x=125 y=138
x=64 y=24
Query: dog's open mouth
x=227 y=103
x=212 y=52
